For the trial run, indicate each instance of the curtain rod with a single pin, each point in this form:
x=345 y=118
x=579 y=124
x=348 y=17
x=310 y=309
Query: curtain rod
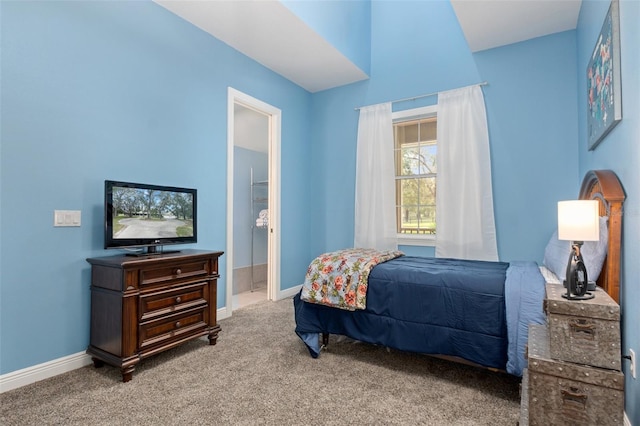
x=413 y=98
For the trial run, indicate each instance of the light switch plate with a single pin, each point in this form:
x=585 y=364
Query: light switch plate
x=67 y=217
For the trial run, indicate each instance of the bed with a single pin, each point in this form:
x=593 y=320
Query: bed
x=470 y=311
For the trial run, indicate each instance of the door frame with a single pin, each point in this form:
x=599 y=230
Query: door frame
x=274 y=116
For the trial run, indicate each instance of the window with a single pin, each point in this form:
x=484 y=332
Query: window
x=415 y=147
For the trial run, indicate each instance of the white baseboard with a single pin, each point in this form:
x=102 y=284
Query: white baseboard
x=223 y=313
x=29 y=375
x=26 y=376
x=290 y=292
x=627 y=422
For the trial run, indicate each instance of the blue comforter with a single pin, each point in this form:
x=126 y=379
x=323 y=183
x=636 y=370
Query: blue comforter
x=475 y=310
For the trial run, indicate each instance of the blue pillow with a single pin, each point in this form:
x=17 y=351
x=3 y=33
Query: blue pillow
x=556 y=254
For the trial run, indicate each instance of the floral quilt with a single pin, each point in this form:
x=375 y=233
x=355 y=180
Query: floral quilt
x=339 y=279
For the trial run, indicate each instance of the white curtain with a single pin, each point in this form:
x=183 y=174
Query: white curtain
x=464 y=197
x=375 y=216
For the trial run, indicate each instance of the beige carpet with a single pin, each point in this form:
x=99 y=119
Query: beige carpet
x=261 y=373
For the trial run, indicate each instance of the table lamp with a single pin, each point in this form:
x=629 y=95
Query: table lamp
x=578 y=221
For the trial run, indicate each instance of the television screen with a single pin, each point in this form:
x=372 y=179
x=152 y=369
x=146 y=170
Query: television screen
x=141 y=215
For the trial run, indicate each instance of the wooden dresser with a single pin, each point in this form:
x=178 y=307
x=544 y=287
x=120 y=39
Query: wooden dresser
x=141 y=306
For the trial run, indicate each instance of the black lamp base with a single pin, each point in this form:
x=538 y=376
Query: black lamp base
x=577 y=282
x=585 y=296
x=591 y=285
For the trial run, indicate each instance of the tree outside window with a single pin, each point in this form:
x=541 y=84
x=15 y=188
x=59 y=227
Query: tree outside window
x=416 y=169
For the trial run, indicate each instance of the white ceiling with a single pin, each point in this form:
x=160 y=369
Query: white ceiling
x=492 y=23
x=268 y=32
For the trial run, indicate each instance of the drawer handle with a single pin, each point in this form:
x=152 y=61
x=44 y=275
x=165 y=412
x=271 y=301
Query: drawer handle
x=574 y=395
x=582 y=328
x=178 y=271
x=177 y=324
x=178 y=299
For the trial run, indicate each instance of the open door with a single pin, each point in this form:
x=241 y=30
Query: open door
x=238 y=101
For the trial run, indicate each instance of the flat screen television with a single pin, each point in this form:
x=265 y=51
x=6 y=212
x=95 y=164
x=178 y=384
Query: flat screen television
x=146 y=216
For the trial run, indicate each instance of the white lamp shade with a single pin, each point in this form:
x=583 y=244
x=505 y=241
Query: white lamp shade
x=578 y=220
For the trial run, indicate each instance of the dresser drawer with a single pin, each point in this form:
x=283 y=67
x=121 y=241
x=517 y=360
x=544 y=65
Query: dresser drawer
x=172 y=327
x=176 y=272
x=165 y=302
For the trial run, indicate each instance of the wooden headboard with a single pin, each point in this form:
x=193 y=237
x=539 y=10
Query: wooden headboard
x=604 y=186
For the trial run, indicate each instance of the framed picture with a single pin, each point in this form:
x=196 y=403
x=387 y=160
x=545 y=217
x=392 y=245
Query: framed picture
x=604 y=89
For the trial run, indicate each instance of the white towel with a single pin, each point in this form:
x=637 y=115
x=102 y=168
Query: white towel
x=263 y=219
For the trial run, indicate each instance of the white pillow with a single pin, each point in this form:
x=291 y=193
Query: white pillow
x=556 y=254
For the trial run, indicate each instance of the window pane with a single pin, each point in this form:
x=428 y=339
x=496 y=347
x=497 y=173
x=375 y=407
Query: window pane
x=417 y=206
x=427 y=191
x=408 y=132
x=416 y=168
x=428 y=159
x=428 y=222
x=409 y=192
x=428 y=129
x=410 y=162
x=409 y=223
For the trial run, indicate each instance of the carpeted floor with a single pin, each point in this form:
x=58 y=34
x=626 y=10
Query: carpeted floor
x=261 y=373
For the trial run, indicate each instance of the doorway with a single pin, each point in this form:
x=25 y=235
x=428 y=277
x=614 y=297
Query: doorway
x=253 y=201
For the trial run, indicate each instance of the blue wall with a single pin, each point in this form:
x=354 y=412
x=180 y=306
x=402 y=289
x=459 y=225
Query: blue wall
x=126 y=91
x=619 y=151
x=531 y=111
